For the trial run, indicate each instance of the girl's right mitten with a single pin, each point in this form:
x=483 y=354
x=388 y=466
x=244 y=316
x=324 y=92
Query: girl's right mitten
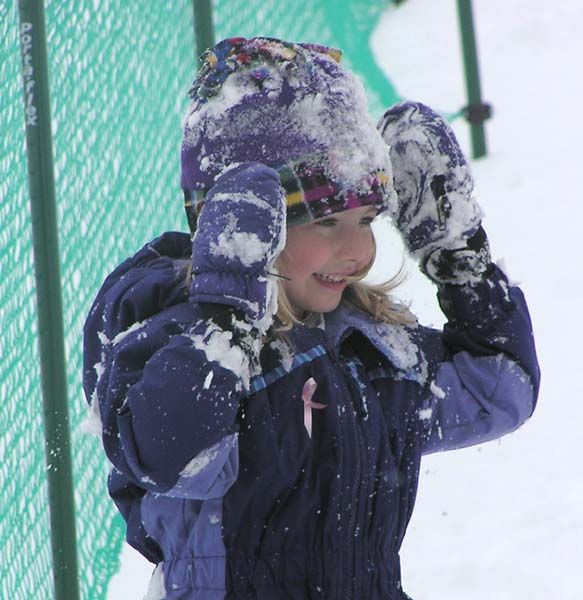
x=240 y=233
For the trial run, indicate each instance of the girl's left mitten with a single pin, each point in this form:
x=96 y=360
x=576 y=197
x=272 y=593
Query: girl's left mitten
x=240 y=233
x=436 y=213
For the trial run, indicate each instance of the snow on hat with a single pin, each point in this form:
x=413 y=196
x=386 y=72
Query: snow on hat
x=294 y=108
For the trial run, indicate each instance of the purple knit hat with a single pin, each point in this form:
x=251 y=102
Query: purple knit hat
x=293 y=108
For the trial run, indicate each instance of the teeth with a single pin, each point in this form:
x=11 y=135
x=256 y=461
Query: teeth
x=333 y=278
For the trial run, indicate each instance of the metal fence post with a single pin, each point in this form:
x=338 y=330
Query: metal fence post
x=477 y=111
x=48 y=292
x=203 y=25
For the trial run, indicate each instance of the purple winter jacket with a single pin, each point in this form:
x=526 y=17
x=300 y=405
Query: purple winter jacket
x=257 y=491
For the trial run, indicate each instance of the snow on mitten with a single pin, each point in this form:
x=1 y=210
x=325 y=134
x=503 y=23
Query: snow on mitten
x=436 y=214
x=240 y=233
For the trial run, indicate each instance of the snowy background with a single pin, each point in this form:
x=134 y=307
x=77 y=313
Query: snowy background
x=501 y=521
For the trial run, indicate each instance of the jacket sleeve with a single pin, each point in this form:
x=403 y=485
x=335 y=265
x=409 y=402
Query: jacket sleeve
x=167 y=376
x=484 y=374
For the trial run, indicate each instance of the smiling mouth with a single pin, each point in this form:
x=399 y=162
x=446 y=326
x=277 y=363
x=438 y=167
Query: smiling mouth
x=330 y=278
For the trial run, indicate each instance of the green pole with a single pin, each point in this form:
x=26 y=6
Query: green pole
x=476 y=112
x=203 y=25
x=48 y=293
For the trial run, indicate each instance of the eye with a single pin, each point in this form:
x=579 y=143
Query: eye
x=330 y=222
x=367 y=220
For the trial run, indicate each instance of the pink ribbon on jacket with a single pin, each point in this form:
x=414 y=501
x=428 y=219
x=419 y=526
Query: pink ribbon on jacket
x=307 y=393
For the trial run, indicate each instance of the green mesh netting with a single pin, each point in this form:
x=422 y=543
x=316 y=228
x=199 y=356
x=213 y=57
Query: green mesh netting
x=119 y=73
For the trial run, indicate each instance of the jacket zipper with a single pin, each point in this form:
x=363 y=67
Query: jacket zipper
x=349 y=584
x=354 y=410
x=350 y=531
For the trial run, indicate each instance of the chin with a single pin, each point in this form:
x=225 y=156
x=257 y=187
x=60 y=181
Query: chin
x=324 y=307
x=314 y=303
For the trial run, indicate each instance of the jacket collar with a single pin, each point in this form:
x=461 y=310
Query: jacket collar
x=398 y=343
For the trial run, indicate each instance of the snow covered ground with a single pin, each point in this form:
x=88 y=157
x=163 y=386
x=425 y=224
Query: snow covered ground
x=505 y=520
x=501 y=521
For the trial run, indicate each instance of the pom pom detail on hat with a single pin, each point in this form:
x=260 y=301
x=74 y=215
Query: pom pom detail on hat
x=294 y=108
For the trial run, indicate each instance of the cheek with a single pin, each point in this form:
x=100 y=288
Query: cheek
x=371 y=248
x=302 y=257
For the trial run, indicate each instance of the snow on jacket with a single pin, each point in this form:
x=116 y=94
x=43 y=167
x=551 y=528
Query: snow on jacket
x=302 y=485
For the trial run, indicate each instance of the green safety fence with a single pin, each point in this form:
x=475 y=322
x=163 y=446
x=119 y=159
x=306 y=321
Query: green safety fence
x=118 y=75
x=119 y=72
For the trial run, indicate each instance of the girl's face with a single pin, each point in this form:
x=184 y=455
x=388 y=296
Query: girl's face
x=317 y=256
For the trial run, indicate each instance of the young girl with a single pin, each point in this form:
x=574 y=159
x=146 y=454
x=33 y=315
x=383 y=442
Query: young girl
x=265 y=411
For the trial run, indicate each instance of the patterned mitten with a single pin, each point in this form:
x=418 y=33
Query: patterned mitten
x=436 y=214
x=240 y=233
